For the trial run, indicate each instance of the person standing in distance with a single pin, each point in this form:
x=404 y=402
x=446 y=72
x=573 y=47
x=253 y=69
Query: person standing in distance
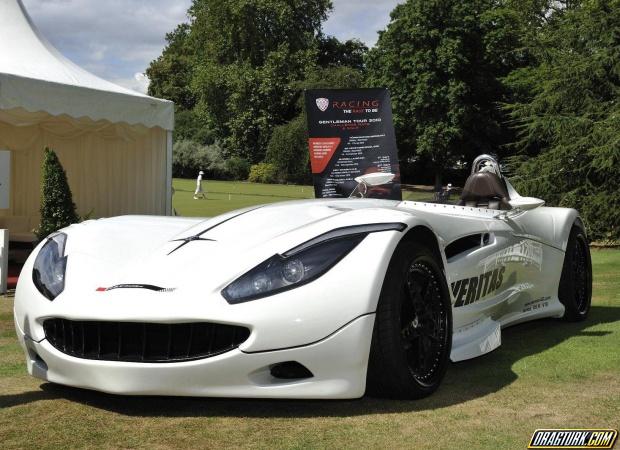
x=199 y=192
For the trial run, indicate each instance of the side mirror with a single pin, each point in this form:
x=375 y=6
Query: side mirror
x=526 y=203
x=375 y=179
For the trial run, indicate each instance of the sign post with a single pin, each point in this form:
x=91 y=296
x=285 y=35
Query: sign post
x=351 y=133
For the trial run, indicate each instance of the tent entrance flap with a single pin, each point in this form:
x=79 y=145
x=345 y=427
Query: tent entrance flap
x=5 y=179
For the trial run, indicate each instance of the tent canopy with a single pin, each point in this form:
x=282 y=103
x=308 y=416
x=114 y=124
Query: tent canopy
x=35 y=77
x=115 y=144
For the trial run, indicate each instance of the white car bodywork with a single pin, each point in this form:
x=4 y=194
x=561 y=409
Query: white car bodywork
x=510 y=277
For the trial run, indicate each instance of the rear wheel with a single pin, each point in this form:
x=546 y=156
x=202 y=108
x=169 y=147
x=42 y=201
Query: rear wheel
x=575 y=290
x=412 y=335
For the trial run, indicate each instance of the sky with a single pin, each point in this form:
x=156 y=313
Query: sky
x=117 y=39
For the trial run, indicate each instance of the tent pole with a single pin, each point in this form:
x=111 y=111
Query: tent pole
x=4 y=259
x=168 y=172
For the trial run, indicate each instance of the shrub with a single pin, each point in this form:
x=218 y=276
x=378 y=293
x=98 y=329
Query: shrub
x=288 y=152
x=262 y=173
x=57 y=207
x=237 y=168
x=190 y=157
x=183 y=159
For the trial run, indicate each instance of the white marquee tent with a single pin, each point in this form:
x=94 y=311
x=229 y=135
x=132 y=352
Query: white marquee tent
x=115 y=144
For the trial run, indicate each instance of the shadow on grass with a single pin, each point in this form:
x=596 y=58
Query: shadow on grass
x=464 y=381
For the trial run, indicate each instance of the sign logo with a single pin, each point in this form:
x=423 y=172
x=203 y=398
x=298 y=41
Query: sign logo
x=322 y=104
x=573 y=438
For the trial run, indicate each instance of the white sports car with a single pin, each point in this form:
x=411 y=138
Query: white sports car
x=307 y=299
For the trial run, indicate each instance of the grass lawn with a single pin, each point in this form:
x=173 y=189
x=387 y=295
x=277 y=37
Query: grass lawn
x=545 y=374
x=223 y=196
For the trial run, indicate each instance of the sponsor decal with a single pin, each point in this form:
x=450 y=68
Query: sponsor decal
x=322 y=104
x=539 y=303
x=470 y=290
x=526 y=252
x=573 y=438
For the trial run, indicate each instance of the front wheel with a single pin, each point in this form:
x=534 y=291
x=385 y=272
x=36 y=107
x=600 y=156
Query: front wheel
x=575 y=290
x=412 y=335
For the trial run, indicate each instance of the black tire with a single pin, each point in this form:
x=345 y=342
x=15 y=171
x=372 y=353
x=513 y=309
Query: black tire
x=412 y=335
x=575 y=291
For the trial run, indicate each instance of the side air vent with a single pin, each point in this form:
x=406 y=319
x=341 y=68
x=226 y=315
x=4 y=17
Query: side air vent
x=467 y=243
x=142 y=342
x=290 y=370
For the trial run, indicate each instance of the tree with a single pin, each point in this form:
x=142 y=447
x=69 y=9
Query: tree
x=332 y=52
x=57 y=207
x=568 y=124
x=170 y=75
x=235 y=71
x=440 y=60
x=288 y=152
x=252 y=53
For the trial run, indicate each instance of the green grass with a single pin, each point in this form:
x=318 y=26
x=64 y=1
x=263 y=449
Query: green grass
x=223 y=196
x=545 y=374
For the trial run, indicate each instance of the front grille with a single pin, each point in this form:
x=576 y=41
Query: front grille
x=142 y=342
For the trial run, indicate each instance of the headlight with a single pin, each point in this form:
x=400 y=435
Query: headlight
x=50 y=265
x=300 y=265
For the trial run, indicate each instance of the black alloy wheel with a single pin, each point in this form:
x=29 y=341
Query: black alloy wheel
x=412 y=336
x=575 y=290
x=424 y=323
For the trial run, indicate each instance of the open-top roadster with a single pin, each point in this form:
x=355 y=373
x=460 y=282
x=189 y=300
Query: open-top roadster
x=323 y=298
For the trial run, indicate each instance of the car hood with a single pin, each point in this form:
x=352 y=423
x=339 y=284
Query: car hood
x=189 y=253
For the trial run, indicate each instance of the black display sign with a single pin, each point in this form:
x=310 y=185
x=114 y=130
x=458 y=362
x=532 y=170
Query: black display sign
x=351 y=133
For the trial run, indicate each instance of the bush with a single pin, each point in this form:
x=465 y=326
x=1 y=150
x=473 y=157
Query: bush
x=57 y=207
x=237 y=168
x=262 y=173
x=288 y=152
x=183 y=159
x=189 y=157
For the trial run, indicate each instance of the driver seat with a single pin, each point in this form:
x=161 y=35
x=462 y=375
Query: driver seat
x=485 y=189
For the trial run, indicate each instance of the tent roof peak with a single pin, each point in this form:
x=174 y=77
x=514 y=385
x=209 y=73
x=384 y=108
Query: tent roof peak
x=30 y=66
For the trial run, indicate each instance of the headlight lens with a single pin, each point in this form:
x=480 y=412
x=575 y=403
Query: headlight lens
x=50 y=265
x=280 y=273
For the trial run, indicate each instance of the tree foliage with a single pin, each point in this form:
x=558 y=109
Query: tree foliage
x=443 y=61
x=288 y=152
x=332 y=52
x=236 y=71
x=171 y=73
x=252 y=53
x=568 y=138
x=57 y=207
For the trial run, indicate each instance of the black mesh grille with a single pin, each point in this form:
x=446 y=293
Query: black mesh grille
x=142 y=342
